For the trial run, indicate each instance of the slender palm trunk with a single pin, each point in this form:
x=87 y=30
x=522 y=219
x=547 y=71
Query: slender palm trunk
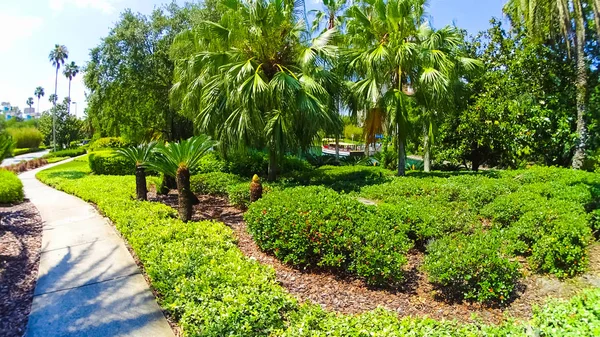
x=596 y=6
x=141 y=189
x=69 y=106
x=54 y=112
x=38 y=105
x=401 y=157
x=273 y=167
x=337 y=148
x=581 y=86
x=185 y=194
x=426 y=148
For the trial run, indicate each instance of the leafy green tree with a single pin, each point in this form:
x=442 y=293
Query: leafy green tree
x=60 y=125
x=544 y=20
x=71 y=70
x=39 y=93
x=57 y=57
x=178 y=160
x=140 y=156
x=130 y=73
x=252 y=79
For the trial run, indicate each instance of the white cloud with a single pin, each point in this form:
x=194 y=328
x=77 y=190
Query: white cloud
x=105 y=6
x=17 y=27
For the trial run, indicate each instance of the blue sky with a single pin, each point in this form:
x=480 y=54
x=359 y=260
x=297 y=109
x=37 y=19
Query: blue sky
x=30 y=28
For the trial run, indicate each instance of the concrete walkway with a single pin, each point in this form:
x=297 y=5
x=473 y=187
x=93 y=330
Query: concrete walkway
x=24 y=157
x=88 y=283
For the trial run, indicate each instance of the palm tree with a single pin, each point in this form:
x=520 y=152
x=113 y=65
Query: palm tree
x=383 y=44
x=39 y=93
x=178 y=160
x=53 y=99
x=141 y=156
x=29 y=102
x=57 y=57
x=253 y=79
x=71 y=70
x=556 y=20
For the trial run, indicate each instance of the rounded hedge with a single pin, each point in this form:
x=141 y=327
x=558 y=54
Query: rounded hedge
x=109 y=163
x=11 y=188
x=316 y=226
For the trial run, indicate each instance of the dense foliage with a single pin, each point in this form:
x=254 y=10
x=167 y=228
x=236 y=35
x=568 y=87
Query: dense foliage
x=26 y=137
x=68 y=127
x=110 y=163
x=205 y=282
x=11 y=188
x=66 y=153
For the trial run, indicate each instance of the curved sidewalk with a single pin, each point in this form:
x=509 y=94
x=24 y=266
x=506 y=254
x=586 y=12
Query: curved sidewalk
x=88 y=283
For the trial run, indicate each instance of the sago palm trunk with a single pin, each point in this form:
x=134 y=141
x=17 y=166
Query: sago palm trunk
x=581 y=86
x=141 y=189
x=426 y=148
x=185 y=194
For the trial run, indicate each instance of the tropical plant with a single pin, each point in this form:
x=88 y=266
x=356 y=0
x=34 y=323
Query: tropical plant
x=29 y=102
x=178 y=160
x=556 y=20
x=53 y=99
x=253 y=80
x=71 y=70
x=139 y=155
x=57 y=57
x=39 y=93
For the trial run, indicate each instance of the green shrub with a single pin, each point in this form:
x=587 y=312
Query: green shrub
x=18 y=152
x=66 y=153
x=109 y=163
x=341 y=178
x=26 y=137
x=315 y=226
x=248 y=163
x=211 y=163
x=11 y=188
x=476 y=265
x=239 y=195
x=108 y=143
x=215 y=183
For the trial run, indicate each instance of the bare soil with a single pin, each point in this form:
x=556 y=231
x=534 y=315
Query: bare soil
x=416 y=297
x=20 y=245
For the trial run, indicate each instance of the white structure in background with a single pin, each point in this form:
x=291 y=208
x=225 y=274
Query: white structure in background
x=11 y=112
x=29 y=113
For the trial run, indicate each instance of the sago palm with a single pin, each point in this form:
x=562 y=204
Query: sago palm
x=71 y=70
x=39 y=93
x=255 y=80
x=178 y=160
x=140 y=156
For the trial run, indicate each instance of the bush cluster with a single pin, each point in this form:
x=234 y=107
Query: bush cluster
x=107 y=143
x=18 y=152
x=341 y=178
x=235 y=188
x=11 y=188
x=66 y=153
x=26 y=138
x=205 y=282
x=109 y=163
x=316 y=226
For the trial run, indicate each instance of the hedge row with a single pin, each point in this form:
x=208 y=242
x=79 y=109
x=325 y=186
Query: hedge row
x=11 y=188
x=66 y=153
x=206 y=283
x=18 y=152
x=110 y=163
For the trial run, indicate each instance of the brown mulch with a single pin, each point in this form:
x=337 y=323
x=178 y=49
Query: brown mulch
x=20 y=245
x=416 y=297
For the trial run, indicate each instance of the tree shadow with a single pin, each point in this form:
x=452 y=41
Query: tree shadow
x=71 y=175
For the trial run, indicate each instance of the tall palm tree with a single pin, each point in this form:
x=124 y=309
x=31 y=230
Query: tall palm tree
x=381 y=56
x=29 y=102
x=556 y=20
x=178 y=160
x=252 y=79
x=58 y=55
x=53 y=99
x=39 y=93
x=71 y=70
x=140 y=156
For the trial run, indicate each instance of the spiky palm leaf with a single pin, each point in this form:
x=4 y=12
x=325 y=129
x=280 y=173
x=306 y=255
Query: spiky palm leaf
x=139 y=155
x=185 y=154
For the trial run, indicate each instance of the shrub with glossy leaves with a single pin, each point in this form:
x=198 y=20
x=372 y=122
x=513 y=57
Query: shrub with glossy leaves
x=108 y=143
x=110 y=163
x=11 y=188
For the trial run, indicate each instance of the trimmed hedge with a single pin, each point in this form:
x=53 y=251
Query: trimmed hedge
x=109 y=163
x=316 y=226
x=211 y=289
x=11 y=188
x=66 y=153
x=18 y=152
x=108 y=143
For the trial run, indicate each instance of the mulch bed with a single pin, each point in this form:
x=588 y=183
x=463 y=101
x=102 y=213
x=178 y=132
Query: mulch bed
x=417 y=297
x=20 y=245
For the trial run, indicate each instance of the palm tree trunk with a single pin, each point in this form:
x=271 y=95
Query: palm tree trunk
x=185 y=194
x=401 y=158
x=141 y=189
x=581 y=85
x=69 y=106
x=54 y=112
x=596 y=6
x=337 y=148
x=426 y=148
x=38 y=105
x=273 y=168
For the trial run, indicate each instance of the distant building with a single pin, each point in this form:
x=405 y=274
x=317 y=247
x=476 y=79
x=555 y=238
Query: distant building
x=7 y=110
x=29 y=113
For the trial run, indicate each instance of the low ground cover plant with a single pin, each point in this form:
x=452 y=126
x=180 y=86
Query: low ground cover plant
x=211 y=289
x=11 y=188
